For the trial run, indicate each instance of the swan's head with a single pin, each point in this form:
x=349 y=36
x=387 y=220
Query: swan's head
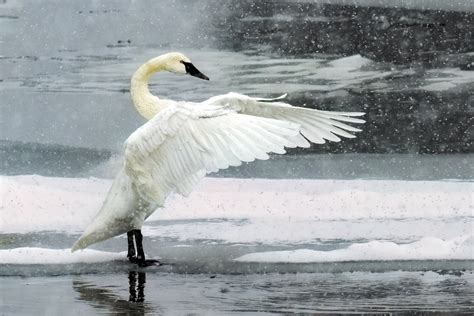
x=180 y=64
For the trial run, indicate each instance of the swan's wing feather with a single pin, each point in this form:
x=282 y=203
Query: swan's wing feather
x=317 y=126
x=175 y=149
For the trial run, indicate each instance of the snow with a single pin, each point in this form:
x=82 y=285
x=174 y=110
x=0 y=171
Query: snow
x=428 y=248
x=314 y=220
x=352 y=62
x=32 y=255
x=297 y=232
x=36 y=203
x=438 y=86
x=344 y=72
x=321 y=199
x=447 y=78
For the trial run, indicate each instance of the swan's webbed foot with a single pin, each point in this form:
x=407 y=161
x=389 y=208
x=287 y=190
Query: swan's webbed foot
x=144 y=262
x=148 y=262
x=135 y=253
x=132 y=259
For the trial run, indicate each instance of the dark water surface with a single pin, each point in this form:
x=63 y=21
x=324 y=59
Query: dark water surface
x=62 y=161
x=140 y=293
x=65 y=77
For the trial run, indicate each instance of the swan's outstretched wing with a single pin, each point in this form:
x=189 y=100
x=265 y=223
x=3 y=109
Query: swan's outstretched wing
x=317 y=126
x=176 y=148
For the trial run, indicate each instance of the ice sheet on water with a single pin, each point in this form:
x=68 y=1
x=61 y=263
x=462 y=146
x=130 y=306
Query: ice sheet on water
x=312 y=219
x=345 y=72
x=35 y=203
x=428 y=248
x=447 y=78
x=33 y=255
x=304 y=232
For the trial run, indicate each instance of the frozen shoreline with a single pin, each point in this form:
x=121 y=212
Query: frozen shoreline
x=250 y=220
x=36 y=203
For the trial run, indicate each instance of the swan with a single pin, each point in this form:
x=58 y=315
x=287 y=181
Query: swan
x=183 y=141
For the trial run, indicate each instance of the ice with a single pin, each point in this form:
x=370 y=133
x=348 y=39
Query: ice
x=347 y=71
x=358 y=219
x=36 y=203
x=428 y=248
x=298 y=232
x=459 y=5
x=439 y=86
x=351 y=62
x=320 y=199
x=447 y=78
x=32 y=255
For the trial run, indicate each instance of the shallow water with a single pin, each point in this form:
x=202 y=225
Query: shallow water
x=141 y=292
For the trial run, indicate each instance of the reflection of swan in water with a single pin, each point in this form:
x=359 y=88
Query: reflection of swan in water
x=183 y=141
x=137 y=291
x=106 y=299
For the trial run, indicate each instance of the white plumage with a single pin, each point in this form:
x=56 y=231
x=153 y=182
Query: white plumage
x=183 y=141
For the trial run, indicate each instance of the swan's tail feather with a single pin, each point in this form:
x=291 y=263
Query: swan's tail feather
x=103 y=228
x=100 y=230
x=116 y=216
x=85 y=241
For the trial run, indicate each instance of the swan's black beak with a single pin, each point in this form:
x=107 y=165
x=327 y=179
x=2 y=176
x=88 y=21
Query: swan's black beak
x=193 y=71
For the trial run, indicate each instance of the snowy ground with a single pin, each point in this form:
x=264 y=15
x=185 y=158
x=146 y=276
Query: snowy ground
x=311 y=220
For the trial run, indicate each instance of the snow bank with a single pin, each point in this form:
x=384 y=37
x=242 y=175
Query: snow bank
x=31 y=255
x=295 y=232
x=35 y=203
x=321 y=199
x=428 y=248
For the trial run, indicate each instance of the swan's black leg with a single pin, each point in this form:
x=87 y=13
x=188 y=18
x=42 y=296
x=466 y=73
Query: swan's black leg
x=139 y=242
x=131 y=255
x=140 y=253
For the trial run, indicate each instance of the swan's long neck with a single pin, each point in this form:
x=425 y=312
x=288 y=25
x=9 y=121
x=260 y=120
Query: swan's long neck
x=146 y=103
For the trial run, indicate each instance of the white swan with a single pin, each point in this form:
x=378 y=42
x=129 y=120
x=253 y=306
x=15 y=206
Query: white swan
x=183 y=141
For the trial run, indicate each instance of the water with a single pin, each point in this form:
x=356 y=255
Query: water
x=61 y=75
x=142 y=292
x=381 y=223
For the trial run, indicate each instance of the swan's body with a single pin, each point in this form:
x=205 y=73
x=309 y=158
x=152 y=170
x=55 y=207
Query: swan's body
x=183 y=141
